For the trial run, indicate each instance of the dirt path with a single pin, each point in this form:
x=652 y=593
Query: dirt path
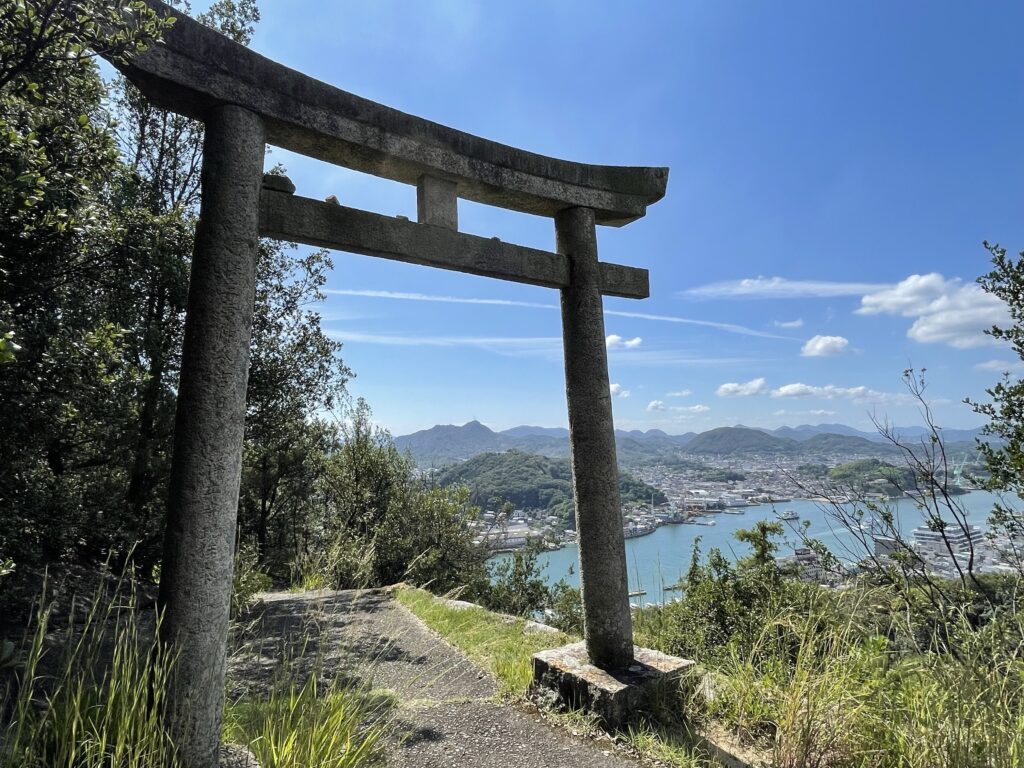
x=447 y=714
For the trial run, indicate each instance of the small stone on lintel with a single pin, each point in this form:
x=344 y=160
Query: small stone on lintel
x=279 y=183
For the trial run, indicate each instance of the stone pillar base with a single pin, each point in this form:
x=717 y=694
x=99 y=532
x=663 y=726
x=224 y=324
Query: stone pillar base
x=617 y=697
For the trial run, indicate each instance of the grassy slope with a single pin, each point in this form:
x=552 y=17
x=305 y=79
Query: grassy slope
x=505 y=648
x=502 y=647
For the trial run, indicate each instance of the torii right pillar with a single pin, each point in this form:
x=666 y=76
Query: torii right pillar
x=605 y=674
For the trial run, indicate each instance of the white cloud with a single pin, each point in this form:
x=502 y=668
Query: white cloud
x=691 y=408
x=944 y=311
x=781 y=288
x=658 y=405
x=746 y=389
x=798 y=323
x=824 y=346
x=618 y=391
x=1000 y=366
x=680 y=393
x=617 y=342
x=859 y=394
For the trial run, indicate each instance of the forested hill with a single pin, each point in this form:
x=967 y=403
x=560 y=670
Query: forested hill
x=530 y=481
x=448 y=444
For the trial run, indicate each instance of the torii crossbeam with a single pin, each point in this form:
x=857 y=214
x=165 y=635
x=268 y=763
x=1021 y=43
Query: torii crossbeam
x=247 y=101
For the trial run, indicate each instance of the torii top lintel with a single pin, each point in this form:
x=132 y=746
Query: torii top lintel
x=196 y=68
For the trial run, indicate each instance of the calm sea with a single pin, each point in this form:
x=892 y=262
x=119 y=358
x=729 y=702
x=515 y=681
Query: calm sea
x=661 y=558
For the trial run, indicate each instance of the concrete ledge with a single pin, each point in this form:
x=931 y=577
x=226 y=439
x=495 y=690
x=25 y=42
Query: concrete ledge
x=617 y=697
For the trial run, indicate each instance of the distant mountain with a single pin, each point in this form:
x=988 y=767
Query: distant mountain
x=525 y=431
x=447 y=443
x=450 y=444
x=738 y=440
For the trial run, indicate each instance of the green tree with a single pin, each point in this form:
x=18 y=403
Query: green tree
x=59 y=231
x=1004 y=457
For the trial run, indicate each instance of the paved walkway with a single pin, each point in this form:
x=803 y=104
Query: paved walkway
x=448 y=715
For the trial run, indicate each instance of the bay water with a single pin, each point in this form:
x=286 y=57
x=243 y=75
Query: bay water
x=660 y=559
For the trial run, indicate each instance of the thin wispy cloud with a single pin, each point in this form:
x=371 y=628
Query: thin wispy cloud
x=858 y=394
x=1000 y=366
x=659 y=405
x=798 y=323
x=812 y=412
x=671 y=357
x=401 y=296
x=728 y=327
x=441 y=299
x=547 y=346
x=680 y=393
x=780 y=288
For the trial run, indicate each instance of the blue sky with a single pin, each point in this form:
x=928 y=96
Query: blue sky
x=834 y=169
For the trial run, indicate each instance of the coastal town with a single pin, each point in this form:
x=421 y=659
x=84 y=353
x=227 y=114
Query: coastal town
x=698 y=494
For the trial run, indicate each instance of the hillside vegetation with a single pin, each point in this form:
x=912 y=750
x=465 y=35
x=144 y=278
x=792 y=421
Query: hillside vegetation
x=867 y=472
x=529 y=481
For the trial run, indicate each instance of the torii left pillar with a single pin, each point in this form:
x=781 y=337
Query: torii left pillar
x=195 y=583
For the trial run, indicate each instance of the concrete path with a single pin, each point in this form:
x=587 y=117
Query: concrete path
x=447 y=715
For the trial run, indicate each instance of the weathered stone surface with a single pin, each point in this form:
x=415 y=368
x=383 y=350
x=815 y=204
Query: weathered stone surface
x=324 y=225
x=195 y=584
x=196 y=69
x=437 y=202
x=237 y=756
x=278 y=183
x=616 y=696
x=608 y=626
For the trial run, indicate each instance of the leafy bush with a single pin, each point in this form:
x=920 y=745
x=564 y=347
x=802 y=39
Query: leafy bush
x=566 y=609
x=517 y=584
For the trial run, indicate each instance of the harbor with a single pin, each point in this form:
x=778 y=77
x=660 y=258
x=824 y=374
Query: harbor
x=658 y=560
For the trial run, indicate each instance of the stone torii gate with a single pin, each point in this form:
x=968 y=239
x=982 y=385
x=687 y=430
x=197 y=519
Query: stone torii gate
x=247 y=101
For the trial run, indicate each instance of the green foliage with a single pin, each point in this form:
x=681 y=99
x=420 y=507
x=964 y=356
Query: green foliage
x=249 y=580
x=517 y=584
x=760 y=540
x=873 y=473
x=722 y=607
x=529 y=481
x=377 y=524
x=501 y=646
x=566 y=608
x=103 y=693
x=333 y=724
x=1004 y=457
x=98 y=203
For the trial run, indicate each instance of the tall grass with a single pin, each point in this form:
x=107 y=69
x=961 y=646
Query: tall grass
x=819 y=693
x=96 y=705
x=311 y=724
